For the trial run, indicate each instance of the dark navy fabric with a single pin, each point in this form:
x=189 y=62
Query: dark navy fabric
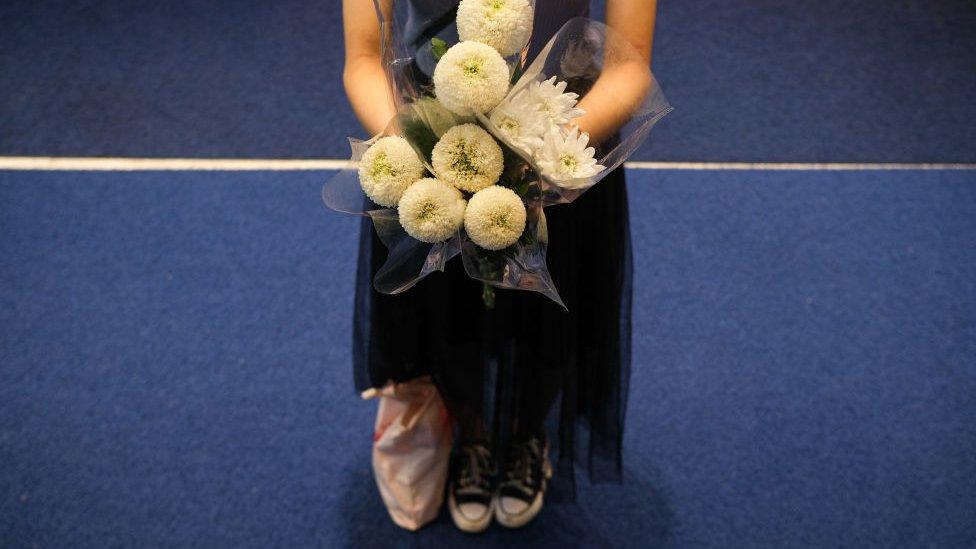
x=174 y=366
x=503 y=372
x=763 y=80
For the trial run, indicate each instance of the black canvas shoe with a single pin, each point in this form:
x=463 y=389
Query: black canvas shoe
x=523 y=482
x=469 y=495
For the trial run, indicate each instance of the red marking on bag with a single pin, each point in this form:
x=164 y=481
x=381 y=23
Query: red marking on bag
x=378 y=434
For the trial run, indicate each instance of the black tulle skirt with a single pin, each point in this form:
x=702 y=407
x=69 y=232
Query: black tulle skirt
x=527 y=357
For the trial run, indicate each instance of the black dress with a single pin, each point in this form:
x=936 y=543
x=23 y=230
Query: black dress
x=527 y=364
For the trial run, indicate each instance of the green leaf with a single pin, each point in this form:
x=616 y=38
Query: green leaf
x=438 y=48
x=516 y=74
x=417 y=133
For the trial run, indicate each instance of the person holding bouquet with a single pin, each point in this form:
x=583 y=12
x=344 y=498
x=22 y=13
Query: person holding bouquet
x=523 y=364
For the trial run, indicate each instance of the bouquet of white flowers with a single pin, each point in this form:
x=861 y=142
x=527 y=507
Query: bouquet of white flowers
x=484 y=141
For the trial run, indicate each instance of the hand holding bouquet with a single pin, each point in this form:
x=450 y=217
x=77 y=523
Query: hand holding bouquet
x=483 y=142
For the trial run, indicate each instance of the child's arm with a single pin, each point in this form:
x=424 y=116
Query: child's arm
x=363 y=76
x=623 y=83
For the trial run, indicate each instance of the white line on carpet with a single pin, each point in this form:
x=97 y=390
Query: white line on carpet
x=804 y=166
x=258 y=164
x=152 y=164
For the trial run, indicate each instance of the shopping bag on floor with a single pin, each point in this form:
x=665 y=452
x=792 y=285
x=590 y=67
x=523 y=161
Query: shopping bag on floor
x=411 y=450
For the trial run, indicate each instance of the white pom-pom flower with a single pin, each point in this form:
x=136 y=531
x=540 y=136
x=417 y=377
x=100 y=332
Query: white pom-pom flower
x=495 y=218
x=431 y=210
x=468 y=157
x=470 y=77
x=502 y=24
x=564 y=156
x=387 y=168
x=559 y=107
x=521 y=120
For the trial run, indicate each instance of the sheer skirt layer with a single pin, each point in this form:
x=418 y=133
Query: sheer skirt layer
x=506 y=366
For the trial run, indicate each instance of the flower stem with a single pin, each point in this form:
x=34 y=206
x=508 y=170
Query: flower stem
x=488 y=295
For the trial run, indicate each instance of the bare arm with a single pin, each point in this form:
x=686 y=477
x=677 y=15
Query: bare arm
x=625 y=80
x=363 y=76
x=609 y=103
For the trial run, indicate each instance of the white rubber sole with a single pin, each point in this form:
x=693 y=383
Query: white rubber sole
x=518 y=520
x=465 y=524
x=521 y=519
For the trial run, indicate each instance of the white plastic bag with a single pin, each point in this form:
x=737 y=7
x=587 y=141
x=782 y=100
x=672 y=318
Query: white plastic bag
x=411 y=450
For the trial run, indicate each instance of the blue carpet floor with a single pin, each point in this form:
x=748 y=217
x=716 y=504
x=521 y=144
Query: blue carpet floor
x=175 y=366
x=761 y=80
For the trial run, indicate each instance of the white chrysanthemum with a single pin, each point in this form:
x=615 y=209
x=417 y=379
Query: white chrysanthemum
x=431 y=210
x=470 y=77
x=564 y=156
x=521 y=120
x=468 y=157
x=502 y=24
x=495 y=218
x=560 y=107
x=387 y=168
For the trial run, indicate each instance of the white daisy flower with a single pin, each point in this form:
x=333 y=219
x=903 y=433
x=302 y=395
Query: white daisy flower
x=564 y=156
x=470 y=77
x=468 y=157
x=502 y=24
x=387 y=168
x=431 y=210
x=521 y=120
x=560 y=107
x=495 y=218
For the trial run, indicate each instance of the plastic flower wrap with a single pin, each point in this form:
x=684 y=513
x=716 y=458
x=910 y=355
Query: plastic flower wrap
x=484 y=140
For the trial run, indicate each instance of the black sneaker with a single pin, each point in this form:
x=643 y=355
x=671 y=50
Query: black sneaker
x=523 y=483
x=470 y=492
